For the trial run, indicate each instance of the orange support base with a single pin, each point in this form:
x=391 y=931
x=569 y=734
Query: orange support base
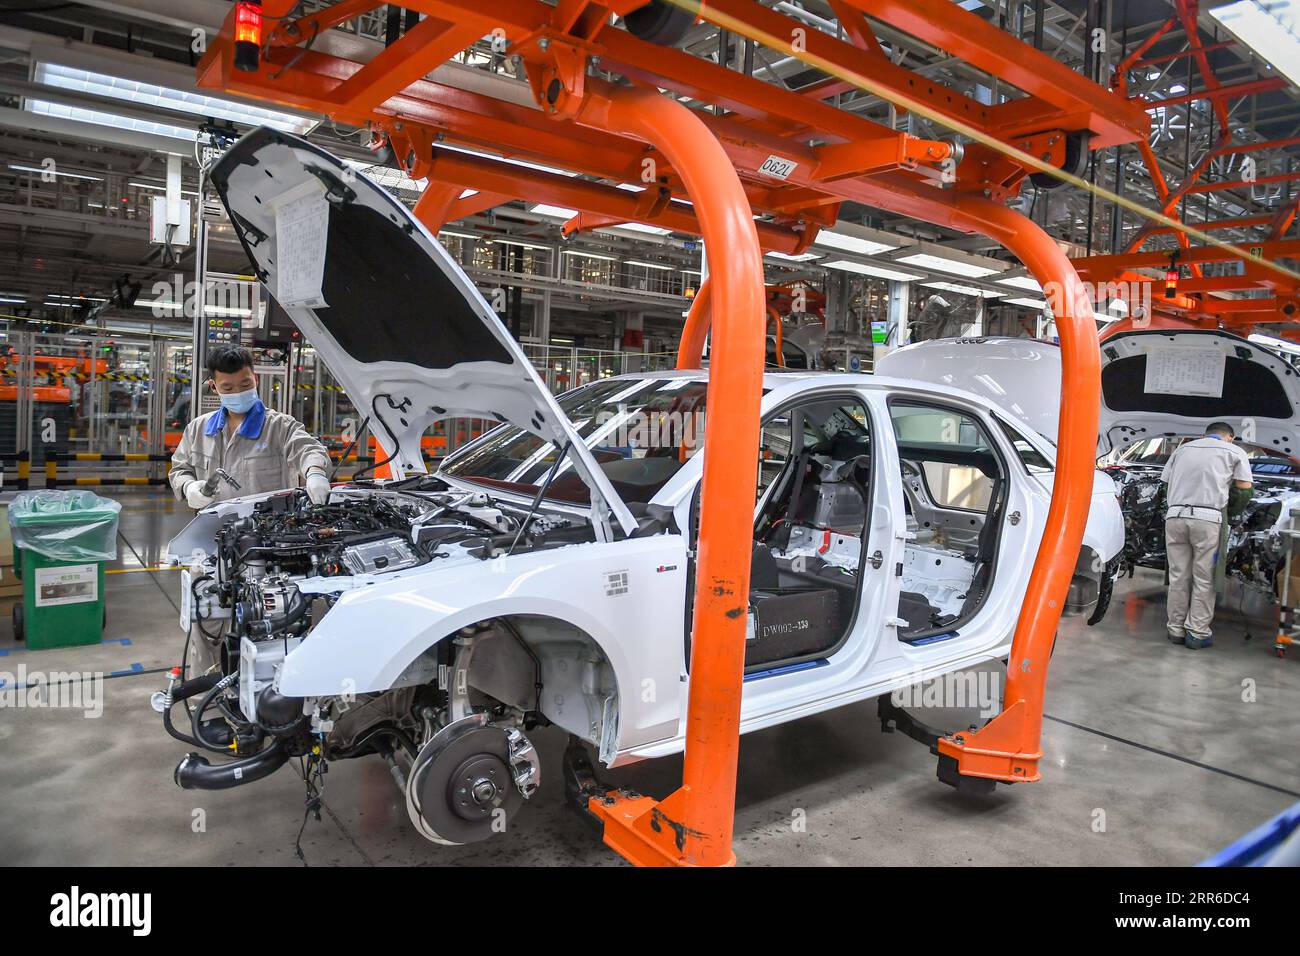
x=647 y=832
x=998 y=757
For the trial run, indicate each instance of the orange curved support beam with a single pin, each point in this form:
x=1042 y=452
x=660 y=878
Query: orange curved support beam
x=775 y=316
x=1008 y=748
x=694 y=825
x=690 y=351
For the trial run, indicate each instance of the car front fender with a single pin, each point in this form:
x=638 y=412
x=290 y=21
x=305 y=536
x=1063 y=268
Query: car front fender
x=627 y=596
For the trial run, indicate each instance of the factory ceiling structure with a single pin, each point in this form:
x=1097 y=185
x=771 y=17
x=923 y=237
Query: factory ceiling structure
x=1210 y=138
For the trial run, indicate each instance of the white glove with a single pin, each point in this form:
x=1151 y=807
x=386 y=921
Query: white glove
x=318 y=488
x=194 y=496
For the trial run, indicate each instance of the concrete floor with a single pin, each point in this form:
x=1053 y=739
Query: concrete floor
x=1152 y=757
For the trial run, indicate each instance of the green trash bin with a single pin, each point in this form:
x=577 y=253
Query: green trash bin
x=61 y=541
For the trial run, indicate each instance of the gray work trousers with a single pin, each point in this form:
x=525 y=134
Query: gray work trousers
x=1191 y=546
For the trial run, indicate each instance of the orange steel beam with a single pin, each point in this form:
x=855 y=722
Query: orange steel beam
x=693 y=825
x=1249 y=88
x=474 y=172
x=1053 y=88
x=1109 y=265
x=1182 y=54
x=441 y=203
x=690 y=350
x=291 y=32
x=855 y=24
x=1186 y=11
x=427 y=45
x=1285 y=215
x=1185 y=14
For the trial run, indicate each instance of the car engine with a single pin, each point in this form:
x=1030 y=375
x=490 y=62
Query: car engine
x=1255 y=552
x=274 y=574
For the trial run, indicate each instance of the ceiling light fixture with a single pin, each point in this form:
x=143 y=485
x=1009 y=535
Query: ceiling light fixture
x=846 y=265
x=956 y=266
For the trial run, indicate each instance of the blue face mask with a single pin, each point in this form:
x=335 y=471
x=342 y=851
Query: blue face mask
x=241 y=403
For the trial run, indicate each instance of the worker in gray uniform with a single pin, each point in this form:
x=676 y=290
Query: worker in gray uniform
x=1202 y=476
x=244 y=448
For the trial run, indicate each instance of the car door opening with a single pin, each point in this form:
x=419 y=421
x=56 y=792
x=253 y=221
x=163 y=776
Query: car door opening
x=954 y=488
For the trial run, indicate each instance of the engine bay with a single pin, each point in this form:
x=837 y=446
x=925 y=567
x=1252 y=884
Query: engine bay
x=1255 y=551
x=275 y=572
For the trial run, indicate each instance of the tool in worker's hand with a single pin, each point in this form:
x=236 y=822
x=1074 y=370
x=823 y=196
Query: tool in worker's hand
x=210 y=486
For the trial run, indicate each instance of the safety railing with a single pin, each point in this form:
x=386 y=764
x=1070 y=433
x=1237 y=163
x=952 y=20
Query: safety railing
x=54 y=480
x=22 y=464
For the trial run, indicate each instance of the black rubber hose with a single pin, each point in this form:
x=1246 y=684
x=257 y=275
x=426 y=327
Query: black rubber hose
x=188 y=689
x=195 y=773
x=196 y=716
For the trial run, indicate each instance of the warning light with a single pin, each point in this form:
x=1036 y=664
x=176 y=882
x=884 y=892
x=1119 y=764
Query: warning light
x=1171 y=282
x=248 y=35
x=689 y=292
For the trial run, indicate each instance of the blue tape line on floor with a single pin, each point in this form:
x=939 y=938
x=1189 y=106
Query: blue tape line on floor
x=121 y=641
x=136 y=668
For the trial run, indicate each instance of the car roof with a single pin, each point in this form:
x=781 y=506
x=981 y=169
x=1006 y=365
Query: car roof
x=792 y=380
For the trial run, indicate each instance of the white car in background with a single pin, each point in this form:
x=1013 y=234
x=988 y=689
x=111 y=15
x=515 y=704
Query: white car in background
x=1242 y=382
x=544 y=574
x=1160 y=387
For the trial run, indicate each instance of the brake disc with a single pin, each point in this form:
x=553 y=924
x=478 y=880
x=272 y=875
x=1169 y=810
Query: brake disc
x=462 y=787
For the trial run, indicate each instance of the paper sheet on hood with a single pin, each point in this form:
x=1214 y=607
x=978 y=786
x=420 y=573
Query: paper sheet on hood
x=301 y=234
x=1185 y=370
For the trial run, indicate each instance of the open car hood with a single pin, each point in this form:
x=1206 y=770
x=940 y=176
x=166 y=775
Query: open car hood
x=1174 y=383
x=389 y=311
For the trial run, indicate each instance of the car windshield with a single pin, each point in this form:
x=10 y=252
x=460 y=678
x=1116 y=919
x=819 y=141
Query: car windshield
x=640 y=431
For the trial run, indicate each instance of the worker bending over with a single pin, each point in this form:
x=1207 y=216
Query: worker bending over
x=1201 y=476
x=244 y=448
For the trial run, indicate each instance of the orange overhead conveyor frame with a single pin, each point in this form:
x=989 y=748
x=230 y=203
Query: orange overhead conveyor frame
x=1275 y=298
x=584 y=124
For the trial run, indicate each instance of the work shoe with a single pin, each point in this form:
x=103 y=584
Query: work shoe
x=1196 y=643
x=1175 y=638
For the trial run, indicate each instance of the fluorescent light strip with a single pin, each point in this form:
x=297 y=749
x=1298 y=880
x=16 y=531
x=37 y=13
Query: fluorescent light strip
x=186 y=101
x=1273 y=31
x=516 y=242
x=115 y=120
x=161 y=189
x=12 y=301
x=802 y=257
x=505 y=159
x=845 y=265
x=637 y=227
x=963 y=289
x=207 y=309
x=588 y=255
x=562 y=212
x=457 y=235
x=649 y=265
x=1039 y=304
x=542 y=209
x=1028 y=283
x=839 y=240
x=54 y=172
x=956 y=267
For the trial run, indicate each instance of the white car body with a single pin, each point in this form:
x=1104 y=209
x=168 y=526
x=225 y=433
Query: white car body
x=642 y=632
x=605 y=620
